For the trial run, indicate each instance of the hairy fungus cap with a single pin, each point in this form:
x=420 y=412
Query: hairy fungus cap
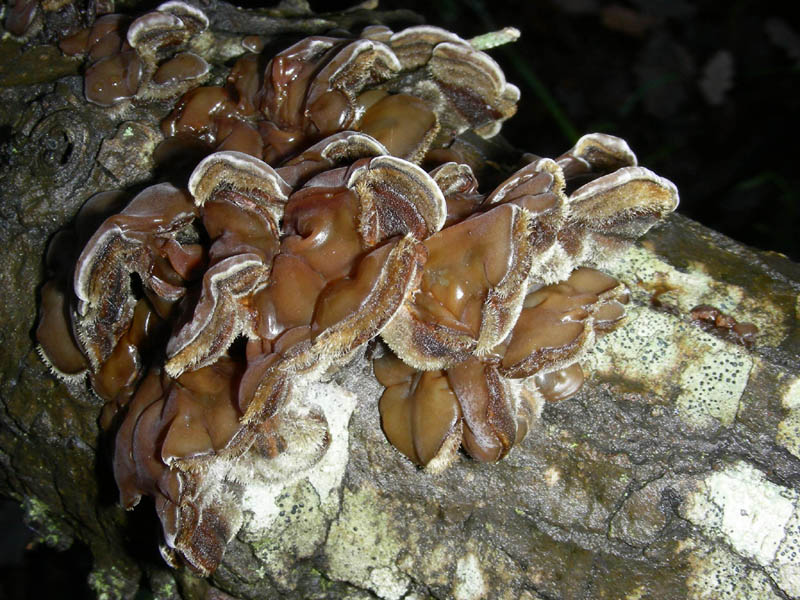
x=127 y=243
x=341 y=148
x=554 y=326
x=169 y=421
x=54 y=333
x=247 y=176
x=625 y=203
x=460 y=189
x=397 y=197
x=471 y=289
x=193 y=18
x=595 y=154
x=218 y=316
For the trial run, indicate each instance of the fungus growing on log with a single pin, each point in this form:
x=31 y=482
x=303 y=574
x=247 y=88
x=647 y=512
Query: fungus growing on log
x=199 y=314
x=409 y=90
x=427 y=414
x=142 y=58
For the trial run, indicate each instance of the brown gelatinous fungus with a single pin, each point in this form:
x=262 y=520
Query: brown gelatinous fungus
x=557 y=322
x=54 y=333
x=306 y=273
x=134 y=241
x=309 y=230
x=20 y=16
x=712 y=319
x=349 y=258
x=420 y=413
x=193 y=415
x=556 y=325
x=516 y=306
x=410 y=91
x=145 y=58
x=560 y=384
x=472 y=286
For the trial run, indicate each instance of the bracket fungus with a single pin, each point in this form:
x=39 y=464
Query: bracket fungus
x=199 y=313
x=145 y=58
x=410 y=90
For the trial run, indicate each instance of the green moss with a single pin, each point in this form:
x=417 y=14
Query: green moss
x=49 y=530
x=110 y=584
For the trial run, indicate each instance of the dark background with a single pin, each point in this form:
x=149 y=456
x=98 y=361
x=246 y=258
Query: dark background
x=705 y=92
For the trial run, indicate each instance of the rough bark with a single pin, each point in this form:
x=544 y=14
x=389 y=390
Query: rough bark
x=675 y=473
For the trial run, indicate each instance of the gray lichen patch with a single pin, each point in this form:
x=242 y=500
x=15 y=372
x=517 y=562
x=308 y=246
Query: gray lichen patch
x=789 y=428
x=297 y=531
x=758 y=519
x=470 y=582
x=702 y=375
x=363 y=545
x=287 y=510
x=648 y=275
x=128 y=156
x=717 y=574
x=261 y=497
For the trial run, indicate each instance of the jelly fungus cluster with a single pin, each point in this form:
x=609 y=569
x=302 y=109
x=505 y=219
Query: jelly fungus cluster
x=147 y=58
x=199 y=313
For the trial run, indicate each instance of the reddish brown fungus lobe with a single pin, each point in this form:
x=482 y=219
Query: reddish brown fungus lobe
x=372 y=84
x=552 y=329
x=714 y=320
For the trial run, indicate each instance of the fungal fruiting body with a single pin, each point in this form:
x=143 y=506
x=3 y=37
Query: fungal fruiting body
x=198 y=313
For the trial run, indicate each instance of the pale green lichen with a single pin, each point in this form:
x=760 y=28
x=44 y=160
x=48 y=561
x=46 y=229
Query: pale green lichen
x=469 y=582
x=704 y=375
x=362 y=541
x=758 y=519
x=687 y=289
x=109 y=583
x=493 y=39
x=48 y=530
x=789 y=428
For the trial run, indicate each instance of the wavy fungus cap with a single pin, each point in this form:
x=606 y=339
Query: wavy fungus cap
x=410 y=90
x=144 y=58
